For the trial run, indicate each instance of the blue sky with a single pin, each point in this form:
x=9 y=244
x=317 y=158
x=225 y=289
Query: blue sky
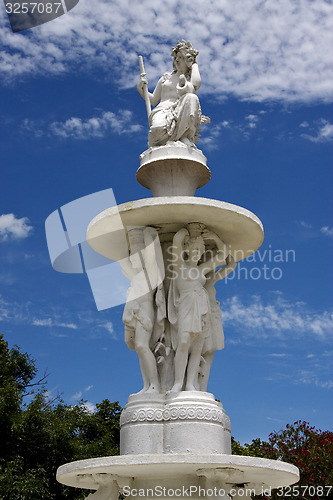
x=72 y=123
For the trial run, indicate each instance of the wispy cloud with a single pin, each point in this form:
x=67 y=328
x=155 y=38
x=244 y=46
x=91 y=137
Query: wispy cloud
x=89 y=407
x=263 y=50
x=310 y=377
x=82 y=129
x=77 y=395
x=305 y=224
x=309 y=231
x=327 y=231
x=252 y=120
x=296 y=368
x=212 y=135
x=60 y=322
x=52 y=323
x=280 y=317
x=109 y=327
x=13 y=228
x=322 y=133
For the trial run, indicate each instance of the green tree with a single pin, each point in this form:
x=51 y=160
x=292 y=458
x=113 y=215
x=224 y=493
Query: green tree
x=255 y=449
x=17 y=371
x=38 y=437
x=311 y=450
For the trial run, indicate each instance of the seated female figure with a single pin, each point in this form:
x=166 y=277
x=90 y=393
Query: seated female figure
x=177 y=115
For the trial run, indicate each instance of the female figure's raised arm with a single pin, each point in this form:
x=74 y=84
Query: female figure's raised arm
x=177 y=249
x=219 y=258
x=153 y=259
x=223 y=272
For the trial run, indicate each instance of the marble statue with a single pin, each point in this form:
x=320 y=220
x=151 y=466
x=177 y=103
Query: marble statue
x=215 y=338
x=177 y=113
x=107 y=490
x=189 y=307
x=144 y=311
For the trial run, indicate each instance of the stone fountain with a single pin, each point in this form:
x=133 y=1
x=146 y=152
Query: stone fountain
x=175 y=436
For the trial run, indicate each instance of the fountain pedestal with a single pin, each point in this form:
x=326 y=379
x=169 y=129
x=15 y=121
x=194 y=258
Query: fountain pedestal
x=176 y=442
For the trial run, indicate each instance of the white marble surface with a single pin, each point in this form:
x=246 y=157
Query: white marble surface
x=188 y=421
x=239 y=228
x=173 y=170
x=177 y=467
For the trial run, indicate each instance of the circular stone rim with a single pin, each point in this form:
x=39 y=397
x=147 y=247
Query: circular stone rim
x=188 y=209
x=172 y=152
x=199 y=171
x=163 y=466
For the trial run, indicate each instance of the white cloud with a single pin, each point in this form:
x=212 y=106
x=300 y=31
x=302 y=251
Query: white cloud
x=97 y=126
x=279 y=317
x=261 y=50
x=54 y=323
x=327 y=231
x=311 y=378
x=211 y=138
x=77 y=395
x=42 y=322
x=87 y=405
x=72 y=326
x=14 y=228
x=305 y=224
x=82 y=129
x=324 y=133
x=212 y=135
x=4 y=310
x=25 y=313
x=252 y=120
x=90 y=407
x=109 y=327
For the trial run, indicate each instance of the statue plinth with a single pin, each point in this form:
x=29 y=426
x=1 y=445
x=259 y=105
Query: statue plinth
x=190 y=422
x=173 y=170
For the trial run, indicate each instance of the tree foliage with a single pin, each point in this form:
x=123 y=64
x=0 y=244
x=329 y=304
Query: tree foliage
x=39 y=436
x=310 y=449
x=36 y=438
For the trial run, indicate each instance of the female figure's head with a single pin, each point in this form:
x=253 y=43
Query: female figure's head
x=194 y=249
x=184 y=55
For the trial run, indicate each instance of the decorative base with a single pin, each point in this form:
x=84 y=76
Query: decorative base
x=156 y=475
x=191 y=422
x=173 y=170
